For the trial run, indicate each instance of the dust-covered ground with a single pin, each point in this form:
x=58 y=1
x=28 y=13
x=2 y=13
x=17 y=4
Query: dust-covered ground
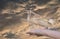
x=19 y=16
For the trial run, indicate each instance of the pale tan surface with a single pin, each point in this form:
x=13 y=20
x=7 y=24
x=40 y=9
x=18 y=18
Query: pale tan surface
x=19 y=26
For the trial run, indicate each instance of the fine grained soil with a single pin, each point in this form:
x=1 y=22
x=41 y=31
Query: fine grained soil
x=16 y=22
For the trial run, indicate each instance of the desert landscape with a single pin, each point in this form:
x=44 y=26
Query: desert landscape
x=19 y=16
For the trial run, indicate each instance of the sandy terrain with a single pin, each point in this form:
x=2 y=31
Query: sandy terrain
x=16 y=23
